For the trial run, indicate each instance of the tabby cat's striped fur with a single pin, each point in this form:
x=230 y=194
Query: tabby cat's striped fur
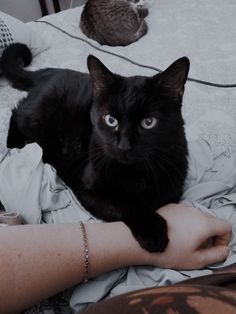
x=114 y=22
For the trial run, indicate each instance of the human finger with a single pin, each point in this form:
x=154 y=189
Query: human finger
x=221 y=231
x=211 y=255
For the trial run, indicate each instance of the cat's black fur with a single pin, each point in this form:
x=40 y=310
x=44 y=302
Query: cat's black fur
x=123 y=172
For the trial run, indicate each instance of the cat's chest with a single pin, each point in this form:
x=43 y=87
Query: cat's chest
x=116 y=180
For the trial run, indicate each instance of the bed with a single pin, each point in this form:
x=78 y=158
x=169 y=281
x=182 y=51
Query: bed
x=205 y=32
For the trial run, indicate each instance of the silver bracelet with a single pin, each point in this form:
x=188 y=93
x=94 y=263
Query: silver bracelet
x=86 y=251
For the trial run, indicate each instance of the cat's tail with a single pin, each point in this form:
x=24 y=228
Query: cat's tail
x=14 y=58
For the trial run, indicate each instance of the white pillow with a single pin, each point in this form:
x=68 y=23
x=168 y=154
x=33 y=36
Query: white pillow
x=13 y=30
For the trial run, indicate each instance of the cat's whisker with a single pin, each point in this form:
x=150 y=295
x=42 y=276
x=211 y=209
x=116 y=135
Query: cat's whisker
x=88 y=152
x=97 y=159
x=78 y=166
x=76 y=170
x=158 y=163
x=166 y=159
x=153 y=172
x=98 y=167
x=108 y=164
x=77 y=158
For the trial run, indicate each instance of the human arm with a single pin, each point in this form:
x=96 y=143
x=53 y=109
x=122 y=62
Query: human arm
x=38 y=261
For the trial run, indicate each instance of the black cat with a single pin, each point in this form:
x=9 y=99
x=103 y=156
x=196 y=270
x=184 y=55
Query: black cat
x=118 y=142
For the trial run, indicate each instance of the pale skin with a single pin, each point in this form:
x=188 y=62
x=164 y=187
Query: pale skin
x=37 y=261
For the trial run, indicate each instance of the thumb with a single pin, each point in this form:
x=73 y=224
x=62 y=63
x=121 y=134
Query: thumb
x=211 y=255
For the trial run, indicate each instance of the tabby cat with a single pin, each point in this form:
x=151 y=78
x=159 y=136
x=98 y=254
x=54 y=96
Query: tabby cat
x=114 y=22
x=118 y=142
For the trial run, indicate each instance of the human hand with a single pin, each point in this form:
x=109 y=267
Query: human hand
x=196 y=239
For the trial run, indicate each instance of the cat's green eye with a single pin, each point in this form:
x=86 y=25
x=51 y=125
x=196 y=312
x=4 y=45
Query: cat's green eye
x=110 y=121
x=148 y=123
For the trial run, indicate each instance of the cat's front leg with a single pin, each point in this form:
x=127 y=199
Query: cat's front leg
x=150 y=230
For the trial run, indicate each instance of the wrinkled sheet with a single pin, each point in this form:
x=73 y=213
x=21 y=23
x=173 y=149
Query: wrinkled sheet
x=32 y=189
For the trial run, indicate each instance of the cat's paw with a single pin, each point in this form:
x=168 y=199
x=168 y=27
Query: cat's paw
x=153 y=234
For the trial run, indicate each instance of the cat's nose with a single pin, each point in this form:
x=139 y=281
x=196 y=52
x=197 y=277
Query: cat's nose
x=124 y=145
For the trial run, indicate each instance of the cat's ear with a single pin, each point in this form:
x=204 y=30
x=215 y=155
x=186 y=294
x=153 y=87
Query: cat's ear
x=101 y=77
x=175 y=76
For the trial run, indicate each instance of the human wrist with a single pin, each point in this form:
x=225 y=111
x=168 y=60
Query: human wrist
x=112 y=246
